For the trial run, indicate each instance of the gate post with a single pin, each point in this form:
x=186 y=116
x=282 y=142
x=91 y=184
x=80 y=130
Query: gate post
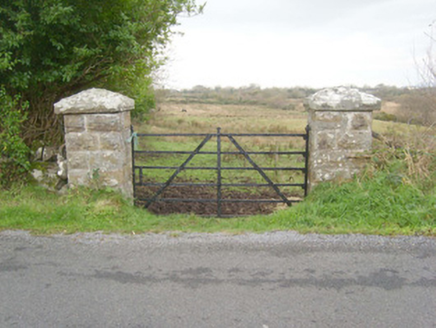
x=97 y=128
x=340 y=122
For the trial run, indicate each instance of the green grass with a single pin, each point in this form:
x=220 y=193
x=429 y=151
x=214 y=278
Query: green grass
x=383 y=205
x=228 y=160
x=392 y=198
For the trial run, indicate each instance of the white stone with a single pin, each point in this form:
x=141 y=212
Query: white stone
x=94 y=101
x=62 y=173
x=342 y=98
x=37 y=175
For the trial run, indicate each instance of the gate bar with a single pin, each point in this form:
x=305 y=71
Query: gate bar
x=222 y=168
x=157 y=152
x=222 y=134
x=132 y=145
x=196 y=200
x=181 y=168
x=306 y=161
x=188 y=184
x=218 y=151
x=277 y=190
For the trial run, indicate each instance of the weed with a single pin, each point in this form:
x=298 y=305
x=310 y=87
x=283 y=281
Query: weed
x=410 y=154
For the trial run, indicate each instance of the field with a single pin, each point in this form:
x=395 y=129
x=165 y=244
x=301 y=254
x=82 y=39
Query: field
x=204 y=118
x=173 y=118
x=201 y=118
x=396 y=195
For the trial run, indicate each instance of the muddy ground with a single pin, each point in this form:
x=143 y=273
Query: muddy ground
x=210 y=193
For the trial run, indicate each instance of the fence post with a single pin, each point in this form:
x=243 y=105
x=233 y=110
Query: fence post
x=340 y=121
x=97 y=128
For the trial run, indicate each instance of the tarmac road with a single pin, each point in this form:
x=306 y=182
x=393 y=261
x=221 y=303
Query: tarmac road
x=279 y=279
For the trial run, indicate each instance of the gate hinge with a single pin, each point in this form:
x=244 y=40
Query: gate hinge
x=133 y=137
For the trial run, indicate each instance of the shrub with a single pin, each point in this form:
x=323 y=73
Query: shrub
x=14 y=159
x=382 y=116
x=411 y=154
x=418 y=107
x=50 y=49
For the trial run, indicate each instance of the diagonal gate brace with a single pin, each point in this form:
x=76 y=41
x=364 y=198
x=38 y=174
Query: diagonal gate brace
x=179 y=169
x=258 y=169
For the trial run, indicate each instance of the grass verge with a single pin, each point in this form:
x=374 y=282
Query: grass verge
x=396 y=196
x=383 y=205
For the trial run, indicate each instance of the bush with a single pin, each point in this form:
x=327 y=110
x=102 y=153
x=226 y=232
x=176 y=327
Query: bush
x=51 y=49
x=382 y=116
x=411 y=154
x=14 y=159
x=418 y=107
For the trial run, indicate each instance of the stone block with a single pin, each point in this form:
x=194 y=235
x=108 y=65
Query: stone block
x=330 y=117
x=126 y=120
x=111 y=160
x=335 y=156
x=74 y=123
x=342 y=98
x=78 y=177
x=94 y=160
x=330 y=172
x=94 y=101
x=361 y=121
x=324 y=120
x=81 y=142
x=106 y=160
x=113 y=141
x=113 y=179
x=78 y=160
x=355 y=140
x=103 y=122
x=325 y=140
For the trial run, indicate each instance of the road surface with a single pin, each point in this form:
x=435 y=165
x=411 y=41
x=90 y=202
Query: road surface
x=279 y=279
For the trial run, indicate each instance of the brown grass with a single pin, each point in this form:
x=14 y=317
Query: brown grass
x=201 y=118
x=414 y=145
x=204 y=118
x=390 y=107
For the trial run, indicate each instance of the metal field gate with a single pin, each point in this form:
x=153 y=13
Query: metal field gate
x=211 y=176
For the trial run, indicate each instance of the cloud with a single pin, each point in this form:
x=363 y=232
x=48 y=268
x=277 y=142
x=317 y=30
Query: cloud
x=313 y=43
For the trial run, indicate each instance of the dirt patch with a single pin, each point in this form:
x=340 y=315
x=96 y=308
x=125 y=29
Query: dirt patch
x=208 y=207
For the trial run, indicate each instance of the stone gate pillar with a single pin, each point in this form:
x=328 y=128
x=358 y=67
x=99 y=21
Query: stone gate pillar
x=340 y=121
x=97 y=129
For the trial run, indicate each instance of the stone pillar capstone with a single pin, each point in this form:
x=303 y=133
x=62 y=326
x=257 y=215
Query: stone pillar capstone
x=97 y=128
x=340 y=121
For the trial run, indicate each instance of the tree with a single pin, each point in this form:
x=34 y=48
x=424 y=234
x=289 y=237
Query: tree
x=50 y=49
x=422 y=103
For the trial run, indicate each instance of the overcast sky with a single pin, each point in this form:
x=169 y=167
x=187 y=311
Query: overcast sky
x=314 y=43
